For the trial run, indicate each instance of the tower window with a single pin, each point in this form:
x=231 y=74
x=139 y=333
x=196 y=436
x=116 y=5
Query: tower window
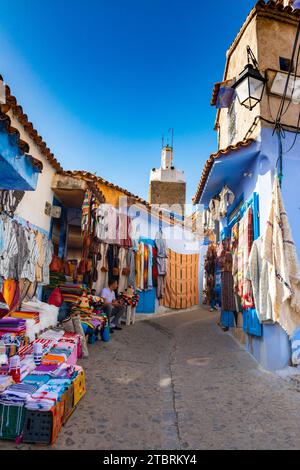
x=284 y=64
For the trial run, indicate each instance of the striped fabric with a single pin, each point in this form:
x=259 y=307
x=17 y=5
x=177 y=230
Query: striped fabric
x=30 y=263
x=10 y=246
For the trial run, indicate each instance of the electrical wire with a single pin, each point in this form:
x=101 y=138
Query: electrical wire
x=295 y=138
x=294 y=84
x=282 y=103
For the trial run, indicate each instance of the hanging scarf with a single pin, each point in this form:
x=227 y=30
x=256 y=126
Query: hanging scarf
x=284 y=275
x=244 y=248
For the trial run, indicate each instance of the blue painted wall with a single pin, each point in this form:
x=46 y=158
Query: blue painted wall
x=273 y=349
x=16 y=170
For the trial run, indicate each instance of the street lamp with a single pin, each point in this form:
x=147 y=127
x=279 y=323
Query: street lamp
x=251 y=84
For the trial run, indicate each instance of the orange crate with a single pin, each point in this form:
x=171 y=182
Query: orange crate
x=58 y=413
x=68 y=398
x=79 y=385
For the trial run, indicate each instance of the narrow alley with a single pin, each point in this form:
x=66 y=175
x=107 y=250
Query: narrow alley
x=179 y=382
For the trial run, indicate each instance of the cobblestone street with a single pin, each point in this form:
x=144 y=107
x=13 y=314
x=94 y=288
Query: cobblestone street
x=179 y=382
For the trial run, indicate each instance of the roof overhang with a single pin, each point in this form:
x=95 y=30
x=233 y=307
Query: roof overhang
x=18 y=170
x=226 y=167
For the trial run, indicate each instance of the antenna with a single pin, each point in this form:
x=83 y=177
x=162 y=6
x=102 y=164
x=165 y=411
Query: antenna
x=171 y=130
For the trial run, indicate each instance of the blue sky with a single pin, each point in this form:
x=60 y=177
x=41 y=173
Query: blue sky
x=101 y=80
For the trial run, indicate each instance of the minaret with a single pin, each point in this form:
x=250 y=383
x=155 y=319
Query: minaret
x=167 y=184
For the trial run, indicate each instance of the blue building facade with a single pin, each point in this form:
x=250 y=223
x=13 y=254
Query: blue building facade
x=248 y=169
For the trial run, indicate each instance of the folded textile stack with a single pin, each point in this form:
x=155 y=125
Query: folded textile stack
x=48 y=314
x=52 y=335
x=21 y=391
x=27 y=366
x=71 y=292
x=17 y=326
x=56 y=279
x=45 y=397
x=33 y=326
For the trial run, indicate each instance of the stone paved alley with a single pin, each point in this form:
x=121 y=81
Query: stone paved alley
x=178 y=382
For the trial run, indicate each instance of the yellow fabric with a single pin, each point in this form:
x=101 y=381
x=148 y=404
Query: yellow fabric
x=41 y=257
x=8 y=291
x=138 y=267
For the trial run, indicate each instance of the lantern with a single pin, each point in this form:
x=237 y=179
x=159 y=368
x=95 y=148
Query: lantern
x=250 y=86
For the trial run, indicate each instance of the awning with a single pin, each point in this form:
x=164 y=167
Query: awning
x=228 y=169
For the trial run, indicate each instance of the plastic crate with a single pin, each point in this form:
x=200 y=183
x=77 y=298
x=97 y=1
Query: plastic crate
x=42 y=427
x=68 y=399
x=79 y=386
x=12 y=421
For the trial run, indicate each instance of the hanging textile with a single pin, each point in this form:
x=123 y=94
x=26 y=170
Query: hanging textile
x=161 y=260
x=284 y=276
x=9 y=201
x=154 y=267
x=11 y=294
x=226 y=199
x=86 y=212
x=245 y=240
x=258 y=274
x=214 y=207
x=10 y=247
x=123 y=275
x=40 y=241
x=138 y=266
x=131 y=265
x=102 y=269
x=225 y=262
x=146 y=267
x=124 y=230
x=28 y=271
x=150 y=264
x=181 y=281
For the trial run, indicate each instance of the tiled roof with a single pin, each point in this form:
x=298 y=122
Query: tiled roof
x=5 y=123
x=99 y=179
x=215 y=93
x=209 y=164
x=17 y=110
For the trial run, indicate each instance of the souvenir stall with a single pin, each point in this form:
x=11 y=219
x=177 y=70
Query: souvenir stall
x=40 y=386
x=261 y=309
x=40 y=382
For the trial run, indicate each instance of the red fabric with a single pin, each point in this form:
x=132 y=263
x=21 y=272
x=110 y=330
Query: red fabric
x=56 y=298
x=4 y=308
x=154 y=267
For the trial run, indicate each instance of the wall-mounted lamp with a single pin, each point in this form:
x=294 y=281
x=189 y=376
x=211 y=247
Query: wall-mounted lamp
x=251 y=84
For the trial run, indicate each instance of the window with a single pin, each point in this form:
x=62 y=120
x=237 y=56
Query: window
x=284 y=64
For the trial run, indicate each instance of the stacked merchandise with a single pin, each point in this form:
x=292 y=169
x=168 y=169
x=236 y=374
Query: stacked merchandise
x=38 y=315
x=34 y=408
x=13 y=334
x=71 y=292
x=89 y=310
